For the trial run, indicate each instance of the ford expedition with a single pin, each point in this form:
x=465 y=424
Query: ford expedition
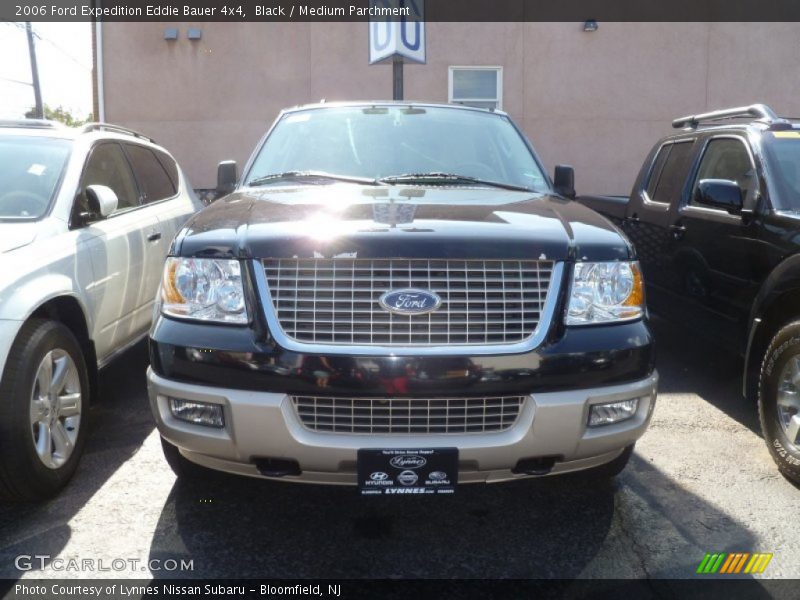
x=397 y=297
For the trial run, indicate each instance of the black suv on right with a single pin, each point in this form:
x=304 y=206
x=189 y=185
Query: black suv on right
x=715 y=217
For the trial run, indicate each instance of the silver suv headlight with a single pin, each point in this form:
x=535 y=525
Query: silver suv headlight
x=203 y=289
x=605 y=292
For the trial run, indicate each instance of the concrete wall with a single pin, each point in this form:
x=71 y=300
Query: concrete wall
x=596 y=100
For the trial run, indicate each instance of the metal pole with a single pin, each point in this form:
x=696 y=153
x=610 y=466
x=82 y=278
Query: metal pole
x=37 y=92
x=397 y=72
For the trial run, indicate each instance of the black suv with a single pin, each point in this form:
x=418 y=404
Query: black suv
x=396 y=296
x=715 y=217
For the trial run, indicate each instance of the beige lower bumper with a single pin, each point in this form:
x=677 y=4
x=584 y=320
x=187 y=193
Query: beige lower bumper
x=265 y=425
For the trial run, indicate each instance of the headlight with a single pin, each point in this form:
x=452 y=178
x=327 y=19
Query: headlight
x=203 y=289
x=605 y=292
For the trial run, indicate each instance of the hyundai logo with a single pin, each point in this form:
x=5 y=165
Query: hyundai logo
x=408 y=461
x=407 y=478
x=410 y=301
x=378 y=476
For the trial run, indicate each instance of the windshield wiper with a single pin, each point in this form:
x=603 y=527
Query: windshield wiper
x=290 y=175
x=452 y=178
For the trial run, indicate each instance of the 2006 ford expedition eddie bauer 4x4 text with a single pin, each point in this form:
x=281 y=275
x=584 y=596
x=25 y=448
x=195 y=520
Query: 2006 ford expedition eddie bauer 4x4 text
x=715 y=216
x=395 y=296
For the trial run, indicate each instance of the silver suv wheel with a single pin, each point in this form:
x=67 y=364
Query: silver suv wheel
x=55 y=408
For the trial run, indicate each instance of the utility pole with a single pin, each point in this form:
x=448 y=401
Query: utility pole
x=397 y=77
x=37 y=92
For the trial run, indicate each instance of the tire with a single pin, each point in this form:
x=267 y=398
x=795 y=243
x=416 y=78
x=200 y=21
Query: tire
x=54 y=415
x=613 y=468
x=183 y=468
x=779 y=400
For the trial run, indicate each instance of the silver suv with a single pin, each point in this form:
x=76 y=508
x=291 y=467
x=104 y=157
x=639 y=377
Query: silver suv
x=86 y=218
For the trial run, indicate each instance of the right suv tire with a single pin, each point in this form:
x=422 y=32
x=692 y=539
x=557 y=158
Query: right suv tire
x=779 y=400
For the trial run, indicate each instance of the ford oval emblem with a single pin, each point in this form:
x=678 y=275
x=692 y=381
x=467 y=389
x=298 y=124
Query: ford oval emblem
x=410 y=301
x=408 y=461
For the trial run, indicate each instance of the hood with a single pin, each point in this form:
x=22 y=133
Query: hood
x=345 y=220
x=15 y=235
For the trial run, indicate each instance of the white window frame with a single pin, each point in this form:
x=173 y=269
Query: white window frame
x=499 y=90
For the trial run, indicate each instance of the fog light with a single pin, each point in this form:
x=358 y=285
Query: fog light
x=613 y=412
x=198 y=413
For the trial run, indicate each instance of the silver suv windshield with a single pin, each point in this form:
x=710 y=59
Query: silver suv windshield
x=398 y=144
x=30 y=169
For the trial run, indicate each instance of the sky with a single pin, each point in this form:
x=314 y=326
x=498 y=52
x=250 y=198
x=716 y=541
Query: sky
x=64 y=56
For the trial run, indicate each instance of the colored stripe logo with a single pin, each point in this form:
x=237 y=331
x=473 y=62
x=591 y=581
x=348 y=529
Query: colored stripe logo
x=734 y=563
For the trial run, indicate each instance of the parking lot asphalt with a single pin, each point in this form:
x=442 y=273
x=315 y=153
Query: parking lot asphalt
x=701 y=480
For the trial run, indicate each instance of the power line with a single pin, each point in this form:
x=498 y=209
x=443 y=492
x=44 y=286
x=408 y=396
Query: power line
x=64 y=52
x=40 y=37
x=16 y=81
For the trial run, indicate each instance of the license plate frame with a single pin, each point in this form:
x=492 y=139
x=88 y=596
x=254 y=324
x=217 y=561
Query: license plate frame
x=401 y=471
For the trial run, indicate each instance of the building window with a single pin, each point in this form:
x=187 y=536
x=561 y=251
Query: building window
x=481 y=87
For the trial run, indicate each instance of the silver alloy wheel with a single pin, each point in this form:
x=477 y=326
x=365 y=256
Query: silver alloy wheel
x=55 y=410
x=789 y=400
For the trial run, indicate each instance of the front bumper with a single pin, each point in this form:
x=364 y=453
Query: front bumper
x=261 y=425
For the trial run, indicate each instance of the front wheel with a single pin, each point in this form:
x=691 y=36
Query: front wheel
x=613 y=468
x=44 y=395
x=183 y=468
x=779 y=400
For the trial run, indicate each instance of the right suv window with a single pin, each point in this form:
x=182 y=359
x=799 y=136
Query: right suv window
x=669 y=172
x=726 y=158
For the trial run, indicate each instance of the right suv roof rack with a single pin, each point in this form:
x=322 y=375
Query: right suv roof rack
x=760 y=112
x=115 y=129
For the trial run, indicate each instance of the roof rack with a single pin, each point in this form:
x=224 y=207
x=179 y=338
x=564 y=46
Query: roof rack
x=31 y=123
x=114 y=129
x=760 y=112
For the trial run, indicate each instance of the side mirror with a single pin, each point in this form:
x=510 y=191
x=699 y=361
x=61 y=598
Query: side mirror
x=227 y=175
x=719 y=193
x=102 y=200
x=564 y=181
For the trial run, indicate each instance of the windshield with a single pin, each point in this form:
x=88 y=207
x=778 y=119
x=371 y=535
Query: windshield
x=783 y=151
x=384 y=141
x=30 y=168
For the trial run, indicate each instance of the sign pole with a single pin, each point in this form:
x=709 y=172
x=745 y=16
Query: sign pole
x=398 y=40
x=397 y=73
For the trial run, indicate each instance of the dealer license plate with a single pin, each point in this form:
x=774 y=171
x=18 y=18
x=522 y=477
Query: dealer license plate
x=407 y=471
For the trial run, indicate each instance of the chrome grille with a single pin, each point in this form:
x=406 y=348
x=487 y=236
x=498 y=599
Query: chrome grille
x=408 y=415
x=336 y=300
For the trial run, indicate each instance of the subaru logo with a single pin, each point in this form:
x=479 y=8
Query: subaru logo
x=378 y=476
x=410 y=301
x=407 y=478
x=438 y=475
x=408 y=461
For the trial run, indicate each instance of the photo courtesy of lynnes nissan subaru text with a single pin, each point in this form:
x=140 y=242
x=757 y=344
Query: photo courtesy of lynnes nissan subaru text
x=396 y=297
